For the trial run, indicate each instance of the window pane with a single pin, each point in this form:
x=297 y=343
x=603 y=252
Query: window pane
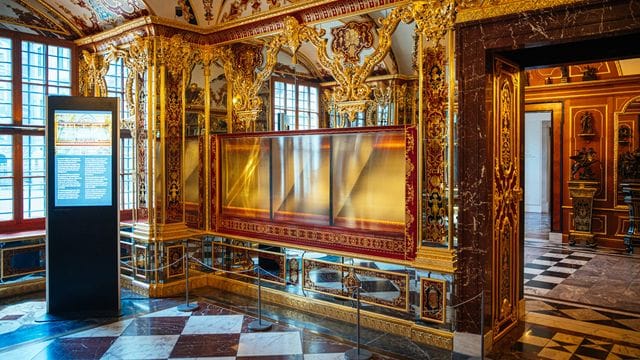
x=6 y=110
x=6 y=178
x=116 y=79
x=126 y=173
x=34 y=169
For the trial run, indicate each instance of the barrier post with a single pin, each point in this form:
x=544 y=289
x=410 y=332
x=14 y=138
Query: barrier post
x=186 y=307
x=259 y=325
x=357 y=353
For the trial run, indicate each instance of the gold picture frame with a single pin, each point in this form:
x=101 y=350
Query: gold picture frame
x=433 y=300
x=175 y=261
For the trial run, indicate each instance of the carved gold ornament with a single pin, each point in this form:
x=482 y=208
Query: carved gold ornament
x=93 y=68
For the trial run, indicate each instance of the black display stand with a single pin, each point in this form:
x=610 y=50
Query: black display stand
x=83 y=272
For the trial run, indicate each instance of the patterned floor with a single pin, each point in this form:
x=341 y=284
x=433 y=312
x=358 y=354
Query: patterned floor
x=552 y=268
x=209 y=332
x=554 y=330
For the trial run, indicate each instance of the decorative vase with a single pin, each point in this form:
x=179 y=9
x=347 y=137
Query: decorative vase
x=631 y=191
x=582 y=193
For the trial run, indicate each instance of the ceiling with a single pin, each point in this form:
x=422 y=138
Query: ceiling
x=73 y=19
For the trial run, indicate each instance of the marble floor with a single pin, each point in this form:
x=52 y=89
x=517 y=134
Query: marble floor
x=217 y=330
x=563 y=331
x=605 y=278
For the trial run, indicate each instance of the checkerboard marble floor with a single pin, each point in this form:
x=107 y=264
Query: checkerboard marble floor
x=556 y=330
x=210 y=332
x=552 y=268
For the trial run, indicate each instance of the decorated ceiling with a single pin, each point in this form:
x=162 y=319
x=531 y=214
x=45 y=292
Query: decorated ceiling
x=73 y=19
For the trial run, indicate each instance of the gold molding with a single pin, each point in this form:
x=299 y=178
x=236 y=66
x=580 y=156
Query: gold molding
x=438 y=259
x=24 y=287
x=472 y=10
x=423 y=334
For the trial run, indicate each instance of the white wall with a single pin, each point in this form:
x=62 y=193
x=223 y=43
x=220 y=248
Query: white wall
x=536 y=161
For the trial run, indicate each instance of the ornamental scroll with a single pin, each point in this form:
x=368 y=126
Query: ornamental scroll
x=435 y=131
x=507 y=194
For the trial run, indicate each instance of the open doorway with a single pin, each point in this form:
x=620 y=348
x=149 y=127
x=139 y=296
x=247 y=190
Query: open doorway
x=537 y=169
x=572 y=108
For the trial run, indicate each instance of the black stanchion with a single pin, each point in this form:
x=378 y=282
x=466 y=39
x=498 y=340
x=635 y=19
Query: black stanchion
x=357 y=353
x=186 y=307
x=259 y=325
x=482 y=324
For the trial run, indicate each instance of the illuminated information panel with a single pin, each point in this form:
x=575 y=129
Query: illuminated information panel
x=83 y=156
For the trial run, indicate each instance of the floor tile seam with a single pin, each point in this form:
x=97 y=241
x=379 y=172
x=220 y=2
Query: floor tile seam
x=585 y=328
x=583 y=306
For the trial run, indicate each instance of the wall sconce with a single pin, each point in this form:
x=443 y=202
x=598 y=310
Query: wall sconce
x=179 y=11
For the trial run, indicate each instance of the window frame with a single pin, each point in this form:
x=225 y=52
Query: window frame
x=18 y=131
x=296 y=83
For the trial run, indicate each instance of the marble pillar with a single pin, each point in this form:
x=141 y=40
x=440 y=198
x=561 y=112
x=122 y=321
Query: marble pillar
x=539 y=36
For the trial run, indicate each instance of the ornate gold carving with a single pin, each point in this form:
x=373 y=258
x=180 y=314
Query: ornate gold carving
x=506 y=195
x=351 y=38
x=435 y=131
x=176 y=54
x=433 y=18
x=419 y=333
x=240 y=64
x=93 y=68
x=470 y=10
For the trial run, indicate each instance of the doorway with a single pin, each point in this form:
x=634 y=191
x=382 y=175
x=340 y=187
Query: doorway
x=537 y=170
x=489 y=112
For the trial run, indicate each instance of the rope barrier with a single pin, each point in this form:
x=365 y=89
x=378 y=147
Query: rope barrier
x=157 y=269
x=466 y=301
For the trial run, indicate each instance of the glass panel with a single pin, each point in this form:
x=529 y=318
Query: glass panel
x=301 y=179
x=362 y=164
x=6 y=111
x=126 y=172
x=6 y=178
x=116 y=79
x=40 y=78
x=34 y=169
x=364 y=178
x=245 y=177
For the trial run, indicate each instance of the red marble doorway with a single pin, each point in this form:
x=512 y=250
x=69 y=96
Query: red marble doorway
x=595 y=29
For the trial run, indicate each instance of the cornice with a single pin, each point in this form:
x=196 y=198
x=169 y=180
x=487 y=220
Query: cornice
x=489 y=9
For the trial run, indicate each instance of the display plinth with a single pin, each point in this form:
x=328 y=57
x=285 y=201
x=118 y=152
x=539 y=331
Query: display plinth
x=631 y=191
x=582 y=193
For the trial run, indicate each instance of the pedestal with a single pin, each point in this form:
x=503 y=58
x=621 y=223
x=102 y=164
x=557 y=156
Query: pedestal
x=581 y=193
x=631 y=191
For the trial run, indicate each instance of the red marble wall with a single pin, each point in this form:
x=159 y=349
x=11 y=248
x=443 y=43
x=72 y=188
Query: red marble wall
x=476 y=43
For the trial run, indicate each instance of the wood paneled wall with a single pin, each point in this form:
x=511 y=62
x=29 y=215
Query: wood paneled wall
x=604 y=99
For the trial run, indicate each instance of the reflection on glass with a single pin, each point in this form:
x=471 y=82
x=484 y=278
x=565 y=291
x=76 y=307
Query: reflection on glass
x=301 y=179
x=245 y=179
x=354 y=180
x=368 y=181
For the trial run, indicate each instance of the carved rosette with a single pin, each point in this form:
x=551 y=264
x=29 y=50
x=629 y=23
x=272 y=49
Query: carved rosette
x=435 y=128
x=507 y=194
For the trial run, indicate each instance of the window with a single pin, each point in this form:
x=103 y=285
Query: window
x=116 y=78
x=126 y=173
x=295 y=106
x=42 y=69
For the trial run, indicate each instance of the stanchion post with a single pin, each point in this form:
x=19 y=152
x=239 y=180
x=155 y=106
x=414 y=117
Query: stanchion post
x=186 y=307
x=482 y=324
x=259 y=325
x=357 y=353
